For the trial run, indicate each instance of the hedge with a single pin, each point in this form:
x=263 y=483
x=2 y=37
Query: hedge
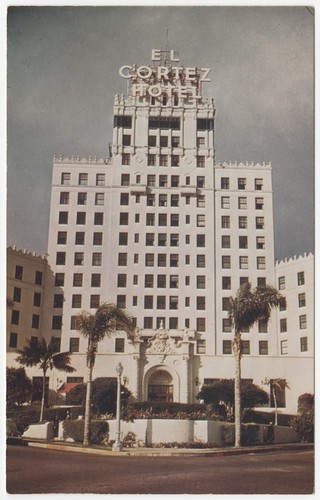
x=26 y=416
x=74 y=429
x=249 y=434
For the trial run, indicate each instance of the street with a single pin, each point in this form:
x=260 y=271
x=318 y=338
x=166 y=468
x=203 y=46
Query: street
x=34 y=470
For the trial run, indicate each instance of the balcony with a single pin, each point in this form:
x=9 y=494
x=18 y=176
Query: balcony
x=138 y=189
x=188 y=190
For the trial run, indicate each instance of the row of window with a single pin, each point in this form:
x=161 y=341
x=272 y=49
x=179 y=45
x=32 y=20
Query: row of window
x=162 y=180
x=81 y=217
x=172 y=323
x=78 y=259
x=79 y=238
x=245 y=347
x=78 y=279
x=81 y=198
x=243 y=242
x=242 y=222
x=162 y=219
x=303 y=345
x=163 y=160
x=18 y=275
x=242 y=183
x=226 y=281
x=82 y=179
x=227 y=326
x=243 y=262
x=17 y=292
x=161 y=302
x=162 y=239
x=74 y=344
x=302 y=323
x=242 y=203
x=163 y=199
x=35 y=320
x=282 y=280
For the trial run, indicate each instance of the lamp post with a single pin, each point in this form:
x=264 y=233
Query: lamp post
x=117 y=444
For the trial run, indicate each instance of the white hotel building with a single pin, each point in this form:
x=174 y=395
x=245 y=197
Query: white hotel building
x=164 y=231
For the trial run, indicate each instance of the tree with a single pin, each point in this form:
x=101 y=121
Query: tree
x=107 y=320
x=19 y=387
x=245 y=309
x=38 y=353
x=276 y=384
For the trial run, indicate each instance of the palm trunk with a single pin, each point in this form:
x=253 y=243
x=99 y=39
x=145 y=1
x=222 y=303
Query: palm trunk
x=275 y=407
x=237 y=385
x=43 y=396
x=87 y=413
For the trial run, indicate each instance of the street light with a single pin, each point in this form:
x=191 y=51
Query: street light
x=117 y=444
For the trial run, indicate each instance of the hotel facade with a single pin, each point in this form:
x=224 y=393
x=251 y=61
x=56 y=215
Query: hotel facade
x=165 y=231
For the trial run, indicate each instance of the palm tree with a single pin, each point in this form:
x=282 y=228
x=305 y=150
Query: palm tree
x=245 y=309
x=281 y=384
x=107 y=320
x=38 y=352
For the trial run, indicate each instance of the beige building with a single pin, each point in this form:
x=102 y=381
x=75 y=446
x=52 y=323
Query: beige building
x=163 y=230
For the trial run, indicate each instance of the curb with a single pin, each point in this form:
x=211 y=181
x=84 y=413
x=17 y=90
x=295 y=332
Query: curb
x=165 y=452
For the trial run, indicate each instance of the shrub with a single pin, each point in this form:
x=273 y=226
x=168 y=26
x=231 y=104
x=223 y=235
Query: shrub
x=303 y=425
x=30 y=415
x=249 y=434
x=74 y=429
x=19 y=387
x=305 y=402
x=162 y=409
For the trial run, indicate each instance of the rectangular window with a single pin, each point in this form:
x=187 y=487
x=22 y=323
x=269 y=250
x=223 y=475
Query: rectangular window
x=262 y=326
x=201 y=346
x=261 y=281
x=125 y=179
x=173 y=323
x=201 y=261
x=201 y=303
x=201 y=240
x=164 y=122
x=259 y=222
x=162 y=219
x=122 y=259
x=243 y=222
x=94 y=301
x=74 y=344
x=63 y=217
x=300 y=278
x=100 y=179
x=38 y=278
x=304 y=344
x=15 y=317
x=175 y=141
x=174 y=260
x=174 y=181
x=59 y=279
x=150 y=219
x=259 y=203
x=225 y=183
x=64 y=198
x=261 y=262
x=16 y=294
x=303 y=322
x=174 y=281
x=283 y=304
x=205 y=123
x=99 y=199
x=162 y=239
x=81 y=218
x=243 y=280
x=225 y=241
x=161 y=302
x=200 y=142
x=148 y=280
x=225 y=202
x=13 y=341
x=148 y=323
x=123 y=239
x=174 y=200
x=58 y=300
x=175 y=161
x=258 y=184
x=225 y=221
x=124 y=218
x=77 y=279
x=97 y=238
x=161 y=281
x=201 y=201
x=35 y=321
x=151 y=159
x=162 y=260
x=76 y=301
x=56 y=322
x=151 y=198
x=260 y=242
x=226 y=283
x=201 y=324
x=283 y=325
x=79 y=238
x=225 y=303
x=82 y=198
x=242 y=183
x=61 y=258
x=243 y=262
x=201 y=220
x=226 y=261
x=243 y=241
x=152 y=141
x=245 y=347
x=281 y=283
x=125 y=159
x=163 y=160
x=126 y=140
x=263 y=347
x=226 y=325
x=65 y=178
x=173 y=302
x=201 y=163
x=83 y=179
x=122 y=280
x=163 y=180
x=78 y=258
x=174 y=240
x=226 y=347
x=151 y=180
x=302 y=299
x=148 y=301
x=201 y=181
x=174 y=220
x=95 y=280
x=149 y=259
x=242 y=203
x=119 y=345
x=150 y=239
x=284 y=347
x=62 y=238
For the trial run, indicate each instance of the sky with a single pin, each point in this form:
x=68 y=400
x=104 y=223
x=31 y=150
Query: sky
x=63 y=72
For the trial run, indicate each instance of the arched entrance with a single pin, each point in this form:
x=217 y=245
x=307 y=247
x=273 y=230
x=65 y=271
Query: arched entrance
x=160 y=386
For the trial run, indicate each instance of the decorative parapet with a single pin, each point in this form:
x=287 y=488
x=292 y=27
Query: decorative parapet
x=78 y=160
x=24 y=252
x=247 y=164
x=295 y=259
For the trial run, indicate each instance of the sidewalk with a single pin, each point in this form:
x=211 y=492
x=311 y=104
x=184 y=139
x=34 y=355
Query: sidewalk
x=159 y=452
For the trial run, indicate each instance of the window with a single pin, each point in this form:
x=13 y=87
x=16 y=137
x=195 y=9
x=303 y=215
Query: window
x=262 y=326
x=259 y=222
x=201 y=240
x=162 y=239
x=38 y=278
x=187 y=280
x=174 y=181
x=59 y=279
x=126 y=140
x=148 y=323
x=201 y=303
x=136 y=258
x=200 y=142
x=226 y=283
x=150 y=219
x=243 y=222
x=283 y=325
x=65 y=178
x=225 y=241
x=125 y=179
x=58 y=300
x=95 y=280
x=281 y=283
x=81 y=218
x=302 y=299
x=163 y=160
x=62 y=238
x=79 y=239
x=164 y=141
x=201 y=346
x=260 y=243
x=123 y=239
x=174 y=281
x=226 y=261
x=162 y=260
x=74 y=323
x=283 y=304
x=243 y=241
x=99 y=199
x=225 y=183
x=259 y=203
x=162 y=200
x=303 y=321
x=149 y=259
x=201 y=261
x=63 y=217
x=225 y=202
x=151 y=180
x=152 y=141
x=225 y=303
x=82 y=198
x=15 y=317
x=77 y=279
x=174 y=260
x=226 y=325
x=119 y=345
x=263 y=347
x=78 y=258
x=173 y=302
x=151 y=200
x=122 y=280
x=201 y=220
x=261 y=262
x=174 y=200
x=175 y=141
x=13 y=341
x=74 y=344
x=97 y=238
x=61 y=258
x=164 y=122
x=125 y=159
x=16 y=294
x=205 y=123
x=122 y=259
x=261 y=281
x=201 y=162
x=94 y=301
x=149 y=239
x=161 y=302
x=242 y=183
x=226 y=347
x=245 y=347
x=200 y=181
x=173 y=323
x=201 y=201
x=258 y=183
x=148 y=302
x=161 y=281
x=100 y=179
x=284 y=347
x=162 y=219
x=76 y=301
x=201 y=324
x=56 y=322
x=163 y=180
x=124 y=218
x=174 y=220
x=83 y=179
x=187 y=239
x=242 y=203
x=243 y=280
x=300 y=278
x=225 y=221
x=122 y=121
x=243 y=262
x=148 y=280
x=174 y=240
x=64 y=198
x=122 y=301
x=304 y=344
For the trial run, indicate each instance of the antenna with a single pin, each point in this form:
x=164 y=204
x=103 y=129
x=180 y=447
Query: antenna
x=167 y=36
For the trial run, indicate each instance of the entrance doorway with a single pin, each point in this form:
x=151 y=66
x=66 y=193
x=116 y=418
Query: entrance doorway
x=160 y=387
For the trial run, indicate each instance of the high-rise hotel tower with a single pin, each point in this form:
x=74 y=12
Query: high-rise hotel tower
x=163 y=230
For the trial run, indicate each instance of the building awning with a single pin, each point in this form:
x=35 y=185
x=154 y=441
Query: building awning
x=67 y=387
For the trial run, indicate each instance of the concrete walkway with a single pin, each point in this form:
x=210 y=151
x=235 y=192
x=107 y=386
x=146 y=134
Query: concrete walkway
x=157 y=452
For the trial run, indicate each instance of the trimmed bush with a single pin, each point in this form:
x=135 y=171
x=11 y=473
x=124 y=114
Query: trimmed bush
x=74 y=429
x=303 y=425
x=249 y=434
x=165 y=410
x=26 y=416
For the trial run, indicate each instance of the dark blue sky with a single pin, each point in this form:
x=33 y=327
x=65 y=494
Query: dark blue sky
x=62 y=71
